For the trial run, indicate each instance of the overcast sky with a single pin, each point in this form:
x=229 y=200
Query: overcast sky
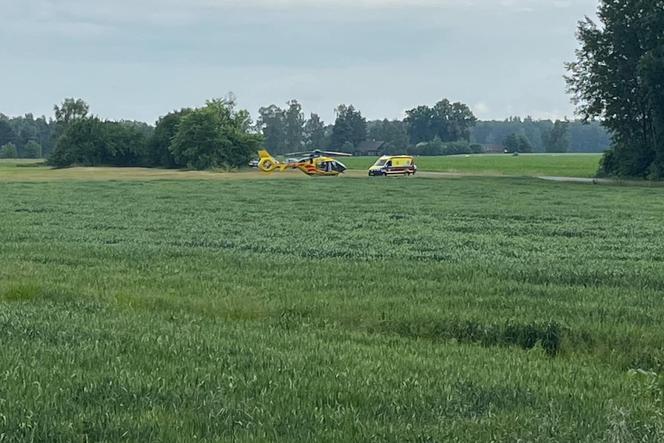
x=139 y=59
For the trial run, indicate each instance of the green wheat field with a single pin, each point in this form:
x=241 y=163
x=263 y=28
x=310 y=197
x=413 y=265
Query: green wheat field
x=556 y=165
x=155 y=308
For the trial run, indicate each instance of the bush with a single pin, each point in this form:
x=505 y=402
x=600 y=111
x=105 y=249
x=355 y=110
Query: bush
x=32 y=149
x=214 y=136
x=518 y=143
x=437 y=147
x=8 y=151
x=476 y=148
x=347 y=147
x=158 y=148
x=627 y=161
x=92 y=142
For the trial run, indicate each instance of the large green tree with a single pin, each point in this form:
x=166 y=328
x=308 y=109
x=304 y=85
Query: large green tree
x=518 y=143
x=81 y=143
x=314 y=132
x=445 y=120
x=350 y=128
x=652 y=71
x=7 y=134
x=32 y=149
x=125 y=143
x=90 y=141
x=217 y=135
x=70 y=111
x=8 y=150
x=393 y=132
x=26 y=129
x=420 y=124
x=618 y=77
x=67 y=113
x=556 y=139
x=272 y=124
x=158 y=151
x=294 y=126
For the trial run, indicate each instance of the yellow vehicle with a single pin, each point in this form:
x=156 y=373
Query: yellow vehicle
x=316 y=163
x=393 y=165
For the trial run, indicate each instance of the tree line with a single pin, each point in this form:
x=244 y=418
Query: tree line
x=218 y=135
x=618 y=77
x=531 y=135
x=445 y=128
x=25 y=137
x=617 y=83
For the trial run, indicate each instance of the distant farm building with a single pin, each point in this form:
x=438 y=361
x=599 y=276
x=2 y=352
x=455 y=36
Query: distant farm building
x=370 y=148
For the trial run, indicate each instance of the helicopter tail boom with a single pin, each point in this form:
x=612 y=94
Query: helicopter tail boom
x=267 y=163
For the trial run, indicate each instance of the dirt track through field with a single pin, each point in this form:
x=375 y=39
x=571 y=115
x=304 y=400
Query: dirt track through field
x=43 y=174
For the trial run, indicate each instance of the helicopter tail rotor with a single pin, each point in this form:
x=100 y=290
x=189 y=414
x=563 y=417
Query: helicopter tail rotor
x=266 y=162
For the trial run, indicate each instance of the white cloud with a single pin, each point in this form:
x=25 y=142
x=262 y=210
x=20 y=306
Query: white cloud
x=25 y=13
x=141 y=58
x=481 y=109
x=136 y=10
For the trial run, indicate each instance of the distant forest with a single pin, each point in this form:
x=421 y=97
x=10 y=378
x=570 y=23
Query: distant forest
x=583 y=137
x=617 y=79
x=193 y=137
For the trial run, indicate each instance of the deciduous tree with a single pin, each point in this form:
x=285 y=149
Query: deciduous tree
x=158 y=152
x=272 y=124
x=314 y=133
x=7 y=134
x=518 y=143
x=556 y=139
x=8 y=150
x=71 y=110
x=349 y=127
x=32 y=149
x=294 y=126
x=617 y=77
x=447 y=121
x=90 y=141
x=216 y=135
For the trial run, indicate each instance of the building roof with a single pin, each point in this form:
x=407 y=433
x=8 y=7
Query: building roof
x=370 y=146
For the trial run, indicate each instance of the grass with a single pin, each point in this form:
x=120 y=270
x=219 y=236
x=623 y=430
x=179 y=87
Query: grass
x=525 y=165
x=475 y=309
x=37 y=171
x=559 y=165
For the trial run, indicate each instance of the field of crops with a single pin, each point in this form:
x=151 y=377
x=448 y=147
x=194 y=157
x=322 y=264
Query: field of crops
x=559 y=165
x=420 y=309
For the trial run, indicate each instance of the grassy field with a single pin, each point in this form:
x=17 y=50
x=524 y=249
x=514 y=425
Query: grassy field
x=525 y=165
x=560 y=165
x=475 y=309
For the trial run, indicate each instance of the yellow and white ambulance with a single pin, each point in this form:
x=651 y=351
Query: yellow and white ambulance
x=393 y=165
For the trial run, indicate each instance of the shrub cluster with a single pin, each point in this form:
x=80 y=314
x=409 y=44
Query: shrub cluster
x=8 y=151
x=216 y=135
x=437 y=147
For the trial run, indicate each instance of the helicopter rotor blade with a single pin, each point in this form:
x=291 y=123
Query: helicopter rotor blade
x=336 y=154
x=318 y=153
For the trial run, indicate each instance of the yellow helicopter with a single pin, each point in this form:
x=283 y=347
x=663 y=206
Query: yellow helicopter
x=316 y=162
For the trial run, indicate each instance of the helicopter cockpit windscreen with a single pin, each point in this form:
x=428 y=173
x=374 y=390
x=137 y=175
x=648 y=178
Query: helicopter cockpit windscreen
x=339 y=167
